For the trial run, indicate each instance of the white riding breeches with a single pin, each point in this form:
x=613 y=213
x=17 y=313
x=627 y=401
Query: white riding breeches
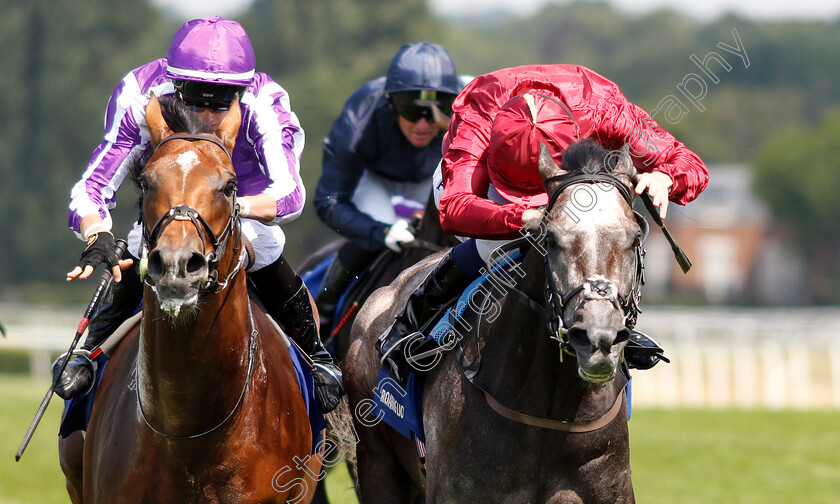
x=387 y=200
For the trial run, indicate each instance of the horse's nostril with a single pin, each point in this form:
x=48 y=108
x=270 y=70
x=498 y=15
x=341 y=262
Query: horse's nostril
x=155 y=264
x=622 y=336
x=196 y=263
x=577 y=337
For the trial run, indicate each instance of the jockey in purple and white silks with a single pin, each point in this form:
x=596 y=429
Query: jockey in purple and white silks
x=266 y=158
x=209 y=63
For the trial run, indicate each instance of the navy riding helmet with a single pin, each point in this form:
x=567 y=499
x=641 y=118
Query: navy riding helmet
x=422 y=74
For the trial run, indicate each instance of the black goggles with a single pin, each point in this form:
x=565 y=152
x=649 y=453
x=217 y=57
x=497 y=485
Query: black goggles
x=415 y=105
x=201 y=95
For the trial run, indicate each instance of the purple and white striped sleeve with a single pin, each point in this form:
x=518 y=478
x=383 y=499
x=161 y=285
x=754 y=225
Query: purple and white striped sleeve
x=126 y=136
x=95 y=192
x=278 y=137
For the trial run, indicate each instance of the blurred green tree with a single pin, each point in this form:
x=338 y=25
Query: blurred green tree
x=797 y=173
x=60 y=63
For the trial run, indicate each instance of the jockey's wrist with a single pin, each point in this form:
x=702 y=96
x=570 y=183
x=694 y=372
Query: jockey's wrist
x=97 y=227
x=244 y=207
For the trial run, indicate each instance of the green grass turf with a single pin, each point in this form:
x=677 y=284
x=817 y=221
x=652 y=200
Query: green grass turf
x=685 y=456
x=735 y=456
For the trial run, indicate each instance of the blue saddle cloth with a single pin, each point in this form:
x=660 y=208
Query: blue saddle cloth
x=77 y=410
x=400 y=407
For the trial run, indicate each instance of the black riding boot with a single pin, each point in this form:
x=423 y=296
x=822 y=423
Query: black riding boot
x=350 y=260
x=642 y=351
x=299 y=321
x=288 y=301
x=117 y=305
x=446 y=282
x=335 y=281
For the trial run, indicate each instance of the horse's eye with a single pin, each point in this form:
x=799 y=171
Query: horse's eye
x=230 y=188
x=637 y=240
x=550 y=241
x=144 y=185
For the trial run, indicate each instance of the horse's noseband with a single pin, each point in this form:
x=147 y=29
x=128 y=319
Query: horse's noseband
x=205 y=232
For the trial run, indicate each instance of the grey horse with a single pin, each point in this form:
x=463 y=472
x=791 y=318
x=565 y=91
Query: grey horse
x=529 y=405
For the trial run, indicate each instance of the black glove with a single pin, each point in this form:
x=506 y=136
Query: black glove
x=101 y=247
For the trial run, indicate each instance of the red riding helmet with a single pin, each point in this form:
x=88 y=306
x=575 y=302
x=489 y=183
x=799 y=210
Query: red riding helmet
x=513 y=156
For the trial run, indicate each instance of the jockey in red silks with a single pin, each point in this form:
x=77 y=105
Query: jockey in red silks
x=490 y=186
x=209 y=63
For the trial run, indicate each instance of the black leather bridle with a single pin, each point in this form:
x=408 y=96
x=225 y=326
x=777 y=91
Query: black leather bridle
x=186 y=213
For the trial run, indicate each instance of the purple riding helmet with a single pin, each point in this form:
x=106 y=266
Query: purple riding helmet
x=209 y=61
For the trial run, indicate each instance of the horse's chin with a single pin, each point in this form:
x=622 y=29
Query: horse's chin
x=597 y=369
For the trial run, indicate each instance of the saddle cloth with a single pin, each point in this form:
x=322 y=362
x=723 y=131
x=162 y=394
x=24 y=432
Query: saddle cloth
x=77 y=410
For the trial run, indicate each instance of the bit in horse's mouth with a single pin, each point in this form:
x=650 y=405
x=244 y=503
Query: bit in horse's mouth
x=172 y=306
x=596 y=379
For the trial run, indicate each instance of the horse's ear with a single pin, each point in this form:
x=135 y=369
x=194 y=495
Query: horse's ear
x=549 y=169
x=624 y=166
x=158 y=129
x=229 y=127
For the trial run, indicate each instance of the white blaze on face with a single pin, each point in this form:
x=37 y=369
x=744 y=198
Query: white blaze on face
x=186 y=161
x=592 y=208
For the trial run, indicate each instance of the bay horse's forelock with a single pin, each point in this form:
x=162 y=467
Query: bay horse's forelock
x=222 y=418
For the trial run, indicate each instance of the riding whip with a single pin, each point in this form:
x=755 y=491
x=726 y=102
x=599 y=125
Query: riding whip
x=682 y=259
x=103 y=284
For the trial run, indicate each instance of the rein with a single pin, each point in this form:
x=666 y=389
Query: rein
x=252 y=347
x=559 y=425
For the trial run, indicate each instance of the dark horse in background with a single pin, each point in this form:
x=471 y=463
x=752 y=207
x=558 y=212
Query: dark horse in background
x=429 y=238
x=529 y=405
x=199 y=403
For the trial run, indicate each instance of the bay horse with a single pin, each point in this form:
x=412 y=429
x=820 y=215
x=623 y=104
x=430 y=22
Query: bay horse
x=530 y=404
x=199 y=403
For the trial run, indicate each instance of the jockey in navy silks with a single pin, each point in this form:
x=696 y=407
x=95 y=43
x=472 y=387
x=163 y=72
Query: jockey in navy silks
x=379 y=158
x=209 y=62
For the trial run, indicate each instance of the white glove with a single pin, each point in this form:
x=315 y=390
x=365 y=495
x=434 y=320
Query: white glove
x=397 y=234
